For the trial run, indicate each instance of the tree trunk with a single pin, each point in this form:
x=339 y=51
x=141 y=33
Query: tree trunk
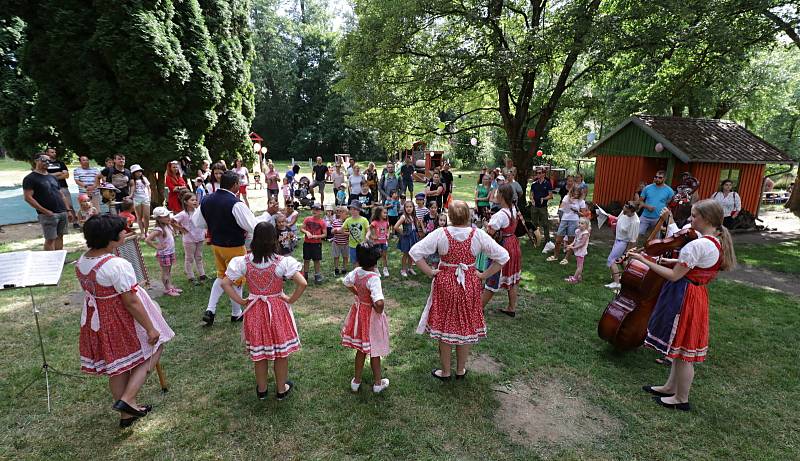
x=157 y=197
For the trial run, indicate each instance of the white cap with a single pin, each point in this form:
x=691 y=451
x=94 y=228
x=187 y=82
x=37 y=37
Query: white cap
x=135 y=168
x=160 y=212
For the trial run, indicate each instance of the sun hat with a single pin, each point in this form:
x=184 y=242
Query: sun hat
x=355 y=204
x=316 y=206
x=161 y=212
x=109 y=186
x=135 y=167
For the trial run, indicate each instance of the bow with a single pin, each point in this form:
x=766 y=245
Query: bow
x=461 y=272
x=90 y=301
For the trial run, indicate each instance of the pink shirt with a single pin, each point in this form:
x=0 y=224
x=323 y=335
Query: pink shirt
x=380 y=231
x=195 y=234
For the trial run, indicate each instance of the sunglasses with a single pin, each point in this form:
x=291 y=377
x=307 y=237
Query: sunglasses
x=659 y=177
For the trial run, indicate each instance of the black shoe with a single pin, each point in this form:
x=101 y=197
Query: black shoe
x=208 y=317
x=511 y=314
x=650 y=390
x=305 y=275
x=336 y=271
x=458 y=376
x=261 y=395
x=237 y=318
x=283 y=395
x=123 y=407
x=673 y=406
x=203 y=278
x=440 y=378
x=127 y=422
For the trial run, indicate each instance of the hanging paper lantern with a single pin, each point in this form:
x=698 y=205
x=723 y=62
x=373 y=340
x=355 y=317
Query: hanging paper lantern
x=256 y=147
x=591 y=137
x=539 y=153
x=431 y=153
x=474 y=141
x=263 y=150
x=659 y=147
x=531 y=133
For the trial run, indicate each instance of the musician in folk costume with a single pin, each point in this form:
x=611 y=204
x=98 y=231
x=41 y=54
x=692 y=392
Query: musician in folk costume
x=678 y=327
x=453 y=314
x=505 y=223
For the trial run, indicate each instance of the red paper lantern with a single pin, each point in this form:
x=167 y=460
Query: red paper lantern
x=539 y=153
x=531 y=133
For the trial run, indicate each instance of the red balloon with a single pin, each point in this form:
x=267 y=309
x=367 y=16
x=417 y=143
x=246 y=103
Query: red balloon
x=531 y=133
x=539 y=153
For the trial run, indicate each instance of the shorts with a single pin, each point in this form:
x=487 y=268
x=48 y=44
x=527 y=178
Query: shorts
x=393 y=220
x=312 y=251
x=319 y=185
x=646 y=225
x=383 y=247
x=243 y=189
x=567 y=228
x=141 y=201
x=224 y=255
x=353 y=255
x=340 y=251
x=166 y=260
x=617 y=251
x=53 y=226
x=67 y=196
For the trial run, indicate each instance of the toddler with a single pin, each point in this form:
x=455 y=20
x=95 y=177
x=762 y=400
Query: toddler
x=579 y=247
x=162 y=238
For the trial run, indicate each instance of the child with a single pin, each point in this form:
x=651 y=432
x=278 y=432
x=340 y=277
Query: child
x=141 y=199
x=357 y=227
x=408 y=227
x=126 y=212
x=379 y=231
x=328 y=222
x=286 y=191
x=571 y=207
x=87 y=210
x=421 y=211
x=291 y=217
x=579 y=248
x=392 y=205
x=162 y=238
x=340 y=248
x=287 y=240
x=199 y=189
x=365 y=198
x=193 y=238
x=441 y=221
x=127 y=344
x=431 y=220
x=269 y=328
x=314 y=230
x=366 y=328
x=257 y=181
x=626 y=234
x=341 y=196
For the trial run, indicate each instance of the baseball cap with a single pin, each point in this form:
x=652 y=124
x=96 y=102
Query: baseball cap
x=420 y=196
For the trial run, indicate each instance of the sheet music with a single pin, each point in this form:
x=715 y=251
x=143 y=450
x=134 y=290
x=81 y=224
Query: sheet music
x=30 y=268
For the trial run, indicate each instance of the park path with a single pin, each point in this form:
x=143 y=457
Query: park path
x=762 y=278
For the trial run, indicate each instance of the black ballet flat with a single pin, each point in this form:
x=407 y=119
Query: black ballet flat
x=673 y=406
x=262 y=395
x=283 y=395
x=650 y=390
x=147 y=408
x=511 y=314
x=123 y=407
x=127 y=422
x=440 y=378
x=458 y=376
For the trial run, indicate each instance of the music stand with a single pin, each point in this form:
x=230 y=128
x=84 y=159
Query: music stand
x=28 y=269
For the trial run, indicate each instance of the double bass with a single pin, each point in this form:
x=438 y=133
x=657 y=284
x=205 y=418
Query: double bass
x=624 y=321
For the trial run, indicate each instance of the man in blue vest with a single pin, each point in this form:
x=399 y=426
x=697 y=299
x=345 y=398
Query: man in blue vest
x=229 y=221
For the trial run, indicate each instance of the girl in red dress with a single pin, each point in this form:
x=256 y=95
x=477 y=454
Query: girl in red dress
x=122 y=329
x=678 y=327
x=176 y=185
x=505 y=222
x=269 y=329
x=453 y=314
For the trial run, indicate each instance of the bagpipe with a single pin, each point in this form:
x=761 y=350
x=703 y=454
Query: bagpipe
x=522 y=228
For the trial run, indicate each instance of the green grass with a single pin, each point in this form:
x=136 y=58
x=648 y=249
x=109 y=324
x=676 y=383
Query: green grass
x=744 y=394
x=7 y=164
x=778 y=257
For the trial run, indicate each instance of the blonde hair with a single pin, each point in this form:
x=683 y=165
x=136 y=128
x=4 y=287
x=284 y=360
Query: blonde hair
x=711 y=211
x=587 y=222
x=459 y=213
x=341 y=209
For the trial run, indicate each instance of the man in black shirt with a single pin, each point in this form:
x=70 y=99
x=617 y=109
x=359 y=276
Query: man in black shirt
x=59 y=170
x=541 y=192
x=407 y=176
x=120 y=177
x=320 y=173
x=42 y=192
x=446 y=178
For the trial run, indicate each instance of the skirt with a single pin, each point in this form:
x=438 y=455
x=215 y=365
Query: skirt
x=511 y=273
x=269 y=330
x=407 y=241
x=366 y=331
x=678 y=327
x=454 y=314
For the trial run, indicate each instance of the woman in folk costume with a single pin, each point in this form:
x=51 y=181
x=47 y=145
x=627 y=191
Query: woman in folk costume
x=505 y=222
x=453 y=314
x=122 y=329
x=678 y=327
x=269 y=329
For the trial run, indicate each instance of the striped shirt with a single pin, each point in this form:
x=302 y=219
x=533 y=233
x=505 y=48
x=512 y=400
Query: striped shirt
x=422 y=212
x=86 y=176
x=339 y=239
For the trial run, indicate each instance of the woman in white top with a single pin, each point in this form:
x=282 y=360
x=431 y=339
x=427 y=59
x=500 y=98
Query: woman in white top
x=572 y=207
x=355 y=184
x=453 y=314
x=244 y=180
x=337 y=176
x=730 y=202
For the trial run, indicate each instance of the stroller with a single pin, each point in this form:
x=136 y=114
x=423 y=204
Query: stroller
x=302 y=192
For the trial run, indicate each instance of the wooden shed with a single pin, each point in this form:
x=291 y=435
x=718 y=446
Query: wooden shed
x=711 y=150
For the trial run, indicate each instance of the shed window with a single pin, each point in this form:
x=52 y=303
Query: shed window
x=732 y=174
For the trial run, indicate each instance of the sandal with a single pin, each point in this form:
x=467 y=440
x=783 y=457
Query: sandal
x=551 y=259
x=571 y=279
x=438 y=376
x=564 y=262
x=463 y=375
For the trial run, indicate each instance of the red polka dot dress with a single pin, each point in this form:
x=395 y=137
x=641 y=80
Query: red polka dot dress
x=511 y=273
x=364 y=329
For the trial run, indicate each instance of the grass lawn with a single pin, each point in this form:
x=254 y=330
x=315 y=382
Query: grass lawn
x=778 y=257
x=7 y=164
x=744 y=395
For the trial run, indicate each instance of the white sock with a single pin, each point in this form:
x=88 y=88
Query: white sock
x=236 y=309
x=216 y=293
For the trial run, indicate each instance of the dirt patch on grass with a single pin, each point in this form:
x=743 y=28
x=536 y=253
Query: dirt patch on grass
x=763 y=278
x=484 y=364
x=547 y=414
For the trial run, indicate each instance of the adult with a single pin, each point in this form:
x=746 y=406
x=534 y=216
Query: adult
x=499 y=180
x=572 y=207
x=483 y=173
x=584 y=188
x=59 y=170
x=213 y=180
x=434 y=191
x=453 y=315
x=769 y=184
x=85 y=177
x=447 y=181
x=229 y=221
x=320 y=172
x=205 y=171
x=518 y=190
x=565 y=187
x=120 y=177
x=337 y=177
x=351 y=166
x=730 y=202
x=175 y=183
x=371 y=175
x=42 y=192
x=390 y=183
x=505 y=222
x=655 y=198
x=482 y=196
x=509 y=168
x=289 y=176
x=354 y=184
x=244 y=180
x=540 y=193
x=407 y=177
x=272 y=179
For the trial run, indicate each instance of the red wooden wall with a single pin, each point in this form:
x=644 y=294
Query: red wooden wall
x=750 y=181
